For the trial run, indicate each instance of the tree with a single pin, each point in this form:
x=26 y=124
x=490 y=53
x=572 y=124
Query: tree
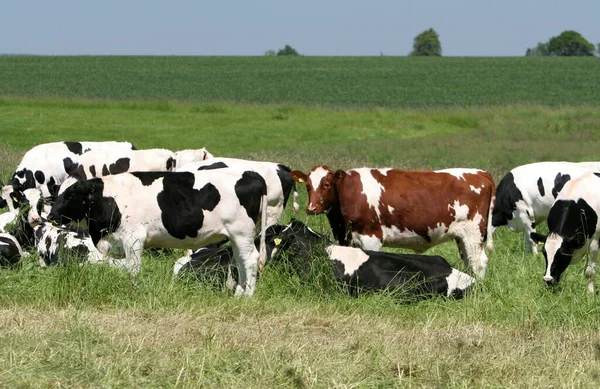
x=540 y=49
x=427 y=43
x=287 y=50
x=270 y=53
x=570 y=43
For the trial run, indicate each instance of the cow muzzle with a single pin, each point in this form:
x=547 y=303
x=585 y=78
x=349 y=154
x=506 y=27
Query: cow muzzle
x=549 y=280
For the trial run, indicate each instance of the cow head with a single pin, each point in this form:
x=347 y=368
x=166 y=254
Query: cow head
x=558 y=253
x=12 y=196
x=321 y=185
x=77 y=202
x=33 y=200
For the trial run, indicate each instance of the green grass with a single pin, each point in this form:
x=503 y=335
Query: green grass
x=328 y=81
x=92 y=326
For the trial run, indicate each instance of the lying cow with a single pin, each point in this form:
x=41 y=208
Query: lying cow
x=526 y=194
x=371 y=208
x=44 y=166
x=277 y=177
x=170 y=209
x=30 y=208
x=414 y=275
x=10 y=250
x=573 y=229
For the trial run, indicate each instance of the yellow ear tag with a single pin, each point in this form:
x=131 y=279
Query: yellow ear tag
x=277 y=241
x=300 y=180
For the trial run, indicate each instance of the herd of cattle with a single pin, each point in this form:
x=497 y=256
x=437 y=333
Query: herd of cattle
x=105 y=202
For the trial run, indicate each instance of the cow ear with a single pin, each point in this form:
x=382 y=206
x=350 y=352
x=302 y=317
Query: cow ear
x=577 y=241
x=16 y=197
x=538 y=238
x=298 y=176
x=339 y=175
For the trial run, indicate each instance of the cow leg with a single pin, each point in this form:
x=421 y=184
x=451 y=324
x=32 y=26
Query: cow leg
x=530 y=245
x=246 y=258
x=590 y=269
x=133 y=245
x=523 y=221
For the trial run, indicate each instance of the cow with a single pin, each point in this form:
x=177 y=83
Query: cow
x=184 y=157
x=525 y=195
x=103 y=163
x=30 y=209
x=170 y=209
x=573 y=229
x=10 y=250
x=359 y=270
x=53 y=243
x=45 y=166
x=370 y=208
x=277 y=176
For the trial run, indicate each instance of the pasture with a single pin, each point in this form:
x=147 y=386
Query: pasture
x=72 y=326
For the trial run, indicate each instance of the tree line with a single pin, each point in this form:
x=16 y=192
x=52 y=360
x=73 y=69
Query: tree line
x=427 y=43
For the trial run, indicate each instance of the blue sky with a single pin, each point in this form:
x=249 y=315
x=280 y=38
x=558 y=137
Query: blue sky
x=186 y=27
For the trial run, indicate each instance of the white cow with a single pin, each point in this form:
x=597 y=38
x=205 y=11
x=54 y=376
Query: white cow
x=526 y=194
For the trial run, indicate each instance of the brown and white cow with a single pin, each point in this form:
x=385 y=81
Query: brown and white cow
x=371 y=208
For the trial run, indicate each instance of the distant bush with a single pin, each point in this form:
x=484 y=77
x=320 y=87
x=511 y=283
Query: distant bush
x=288 y=50
x=427 y=43
x=568 y=43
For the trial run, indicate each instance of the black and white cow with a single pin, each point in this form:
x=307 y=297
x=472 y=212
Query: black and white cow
x=525 y=195
x=277 y=176
x=184 y=157
x=573 y=229
x=45 y=166
x=10 y=250
x=53 y=243
x=108 y=162
x=416 y=275
x=30 y=209
x=170 y=209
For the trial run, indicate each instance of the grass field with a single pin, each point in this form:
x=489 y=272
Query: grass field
x=93 y=326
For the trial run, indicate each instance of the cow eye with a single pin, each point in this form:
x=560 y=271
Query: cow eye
x=326 y=185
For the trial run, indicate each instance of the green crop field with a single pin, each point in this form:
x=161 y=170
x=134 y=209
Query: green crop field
x=338 y=81
x=94 y=326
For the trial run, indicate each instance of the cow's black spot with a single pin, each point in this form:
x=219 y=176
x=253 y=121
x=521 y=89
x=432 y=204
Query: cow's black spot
x=170 y=163
x=507 y=196
x=596 y=174
x=40 y=176
x=216 y=165
x=147 y=178
x=540 y=184
x=74 y=147
x=249 y=190
x=133 y=147
x=23 y=179
x=287 y=182
x=120 y=166
x=51 y=257
x=52 y=187
x=575 y=221
x=105 y=171
x=559 y=181
x=9 y=252
x=93 y=170
x=182 y=207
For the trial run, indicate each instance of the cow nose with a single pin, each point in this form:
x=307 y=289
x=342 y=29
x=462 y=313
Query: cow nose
x=549 y=280
x=311 y=209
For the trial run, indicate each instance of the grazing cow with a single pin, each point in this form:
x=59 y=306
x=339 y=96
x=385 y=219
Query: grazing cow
x=10 y=250
x=277 y=176
x=371 y=208
x=573 y=229
x=415 y=275
x=170 y=209
x=45 y=166
x=526 y=194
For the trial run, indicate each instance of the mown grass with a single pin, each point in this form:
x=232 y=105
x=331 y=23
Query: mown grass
x=72 y=326
x=330 y=81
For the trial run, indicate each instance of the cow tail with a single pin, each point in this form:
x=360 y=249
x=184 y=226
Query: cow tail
x=490 y=227
x=263 y=228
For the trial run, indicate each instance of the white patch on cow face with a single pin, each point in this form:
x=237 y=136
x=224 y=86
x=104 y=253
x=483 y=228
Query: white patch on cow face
x=459 y=172
x=352 y=258
x=316 y=176
x=553 y=243
x=371 y=188
x=33 y=196
x=458 y=280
